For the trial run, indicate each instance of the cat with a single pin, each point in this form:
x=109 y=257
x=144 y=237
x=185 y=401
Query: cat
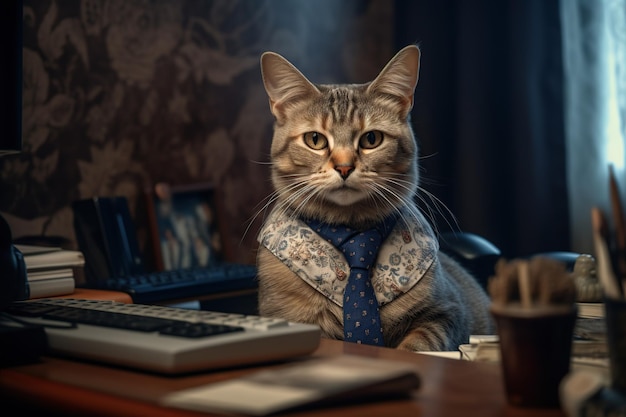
x=346 y=154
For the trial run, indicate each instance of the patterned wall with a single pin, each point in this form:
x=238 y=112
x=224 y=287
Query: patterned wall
x=122 y=94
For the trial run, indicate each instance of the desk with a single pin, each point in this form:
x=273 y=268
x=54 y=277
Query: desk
x=61 y=387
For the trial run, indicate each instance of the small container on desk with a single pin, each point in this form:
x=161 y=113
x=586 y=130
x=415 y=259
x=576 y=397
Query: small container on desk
x=535 y=351
x=607 y=401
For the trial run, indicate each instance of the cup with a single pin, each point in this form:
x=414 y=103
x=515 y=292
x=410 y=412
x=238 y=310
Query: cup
x=535 y=351
x=615 y=316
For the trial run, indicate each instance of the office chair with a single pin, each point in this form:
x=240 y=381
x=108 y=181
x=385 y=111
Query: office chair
x=479 y=256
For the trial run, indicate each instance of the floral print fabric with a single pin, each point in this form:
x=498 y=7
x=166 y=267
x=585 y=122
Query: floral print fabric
x=402 y=261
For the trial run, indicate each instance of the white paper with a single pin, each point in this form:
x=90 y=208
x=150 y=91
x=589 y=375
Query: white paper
x=301 y=383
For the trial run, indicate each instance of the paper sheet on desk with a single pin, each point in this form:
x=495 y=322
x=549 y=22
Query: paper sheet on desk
x=313 y=382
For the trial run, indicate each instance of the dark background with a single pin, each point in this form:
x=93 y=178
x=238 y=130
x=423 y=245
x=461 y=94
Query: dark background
x=120 y=95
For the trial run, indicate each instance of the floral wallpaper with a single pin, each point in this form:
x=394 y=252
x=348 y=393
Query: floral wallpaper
x=119 y=95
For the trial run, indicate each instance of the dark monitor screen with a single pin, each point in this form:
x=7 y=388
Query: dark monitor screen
x=11 y=77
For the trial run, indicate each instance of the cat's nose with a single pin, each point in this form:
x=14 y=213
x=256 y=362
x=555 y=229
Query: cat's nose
x=344 y=170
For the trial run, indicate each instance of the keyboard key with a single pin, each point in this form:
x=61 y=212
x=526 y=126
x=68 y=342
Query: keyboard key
x=198 y=329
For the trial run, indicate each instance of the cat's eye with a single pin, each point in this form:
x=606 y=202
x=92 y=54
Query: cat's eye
x=371 y=139
x=315 y=140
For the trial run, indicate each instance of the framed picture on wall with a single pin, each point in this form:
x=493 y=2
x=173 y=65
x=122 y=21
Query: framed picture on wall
x=184 y=226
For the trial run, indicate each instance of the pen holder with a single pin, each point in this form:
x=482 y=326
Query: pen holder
x=535 y=351
x=615 y=315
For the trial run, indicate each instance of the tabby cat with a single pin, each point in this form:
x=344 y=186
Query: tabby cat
x=346 y=155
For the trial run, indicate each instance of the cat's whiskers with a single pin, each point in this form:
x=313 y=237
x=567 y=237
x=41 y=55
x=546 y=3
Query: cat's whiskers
x=286 y=204
x=410 y=186
x=299 y=208
x=261 y=162
x=406 y=205
x=266 y=203
x=384 y=198
x=269 y=200
x=302 y=191
x=438 y=204
x=289 y=204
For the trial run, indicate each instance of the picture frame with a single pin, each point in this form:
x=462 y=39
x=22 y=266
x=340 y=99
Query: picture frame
x=184 y=226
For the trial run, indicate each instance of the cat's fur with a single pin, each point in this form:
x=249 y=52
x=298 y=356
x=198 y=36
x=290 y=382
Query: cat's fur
x=348 y=177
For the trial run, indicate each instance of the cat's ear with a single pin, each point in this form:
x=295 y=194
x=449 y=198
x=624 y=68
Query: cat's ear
x=283 y=82
x=399 y=78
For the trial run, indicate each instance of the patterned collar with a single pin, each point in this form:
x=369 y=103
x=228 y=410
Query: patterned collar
x=402 y=261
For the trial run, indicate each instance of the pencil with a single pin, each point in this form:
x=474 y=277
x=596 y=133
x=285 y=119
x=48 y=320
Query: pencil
x=605 y=273
x=523 y=281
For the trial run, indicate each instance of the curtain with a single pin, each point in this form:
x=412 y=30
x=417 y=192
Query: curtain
x=489 y=118
x=594 y=55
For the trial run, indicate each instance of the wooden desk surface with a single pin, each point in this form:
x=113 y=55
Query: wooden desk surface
x=90 y=294
x=450 y=387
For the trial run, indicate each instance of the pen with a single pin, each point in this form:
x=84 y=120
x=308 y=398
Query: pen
x=605 y=274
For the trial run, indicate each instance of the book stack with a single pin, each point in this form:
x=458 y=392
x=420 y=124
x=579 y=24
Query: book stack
x=51 y=271
x=590 y=310
x=589 y=348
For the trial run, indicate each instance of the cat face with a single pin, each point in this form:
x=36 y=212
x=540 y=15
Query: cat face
x=343 y=153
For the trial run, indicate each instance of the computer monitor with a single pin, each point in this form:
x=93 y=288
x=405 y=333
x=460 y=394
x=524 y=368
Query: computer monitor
x=11 y=22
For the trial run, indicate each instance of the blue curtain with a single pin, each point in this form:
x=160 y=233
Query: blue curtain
x=489 y=117
x=594 y=55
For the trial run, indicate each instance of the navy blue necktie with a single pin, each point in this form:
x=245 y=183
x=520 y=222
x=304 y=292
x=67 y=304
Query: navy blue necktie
x=361 y=317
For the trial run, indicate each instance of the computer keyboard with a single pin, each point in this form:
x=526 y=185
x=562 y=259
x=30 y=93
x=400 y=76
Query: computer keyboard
x=162 y=339
x=153 y=287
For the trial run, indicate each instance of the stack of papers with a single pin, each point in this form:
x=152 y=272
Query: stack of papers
x=316 y=382
x=51 y=270
x=590 y=310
